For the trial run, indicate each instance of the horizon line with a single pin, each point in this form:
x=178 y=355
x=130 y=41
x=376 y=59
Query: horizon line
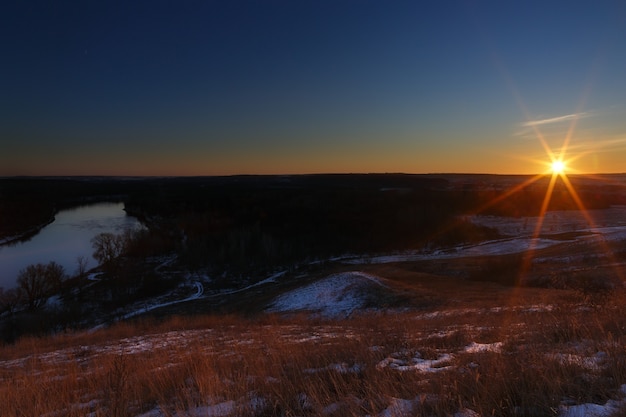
x=56 y=176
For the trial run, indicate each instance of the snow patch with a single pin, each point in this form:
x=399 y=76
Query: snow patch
x=466 y=412
x=199 y=291
x=484 y=347
x=590 y=410
x=487 y=248
x=399 y=362
x=592 y=363
x=400 y=407
x=342 y=368
x=335 y=296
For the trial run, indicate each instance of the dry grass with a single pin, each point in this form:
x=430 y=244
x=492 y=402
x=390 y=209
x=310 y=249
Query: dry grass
x=564 y=353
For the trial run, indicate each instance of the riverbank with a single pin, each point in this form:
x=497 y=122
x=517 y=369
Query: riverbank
x=63 y=238
x=27 y=234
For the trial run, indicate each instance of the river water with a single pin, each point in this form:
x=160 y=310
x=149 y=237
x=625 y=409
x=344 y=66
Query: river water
x=64 y=240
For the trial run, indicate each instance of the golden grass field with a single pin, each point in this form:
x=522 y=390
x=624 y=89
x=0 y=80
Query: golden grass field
x=464 y=349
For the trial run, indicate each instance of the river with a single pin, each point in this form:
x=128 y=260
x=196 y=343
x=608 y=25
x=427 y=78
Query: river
x=64 y=240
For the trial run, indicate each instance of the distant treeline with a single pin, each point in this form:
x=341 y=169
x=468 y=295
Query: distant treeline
x=29 y=203
x=242 y=222
x=528 y=200
x=251 y=220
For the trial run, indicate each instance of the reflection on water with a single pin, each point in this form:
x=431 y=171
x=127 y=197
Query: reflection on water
x=64 y=240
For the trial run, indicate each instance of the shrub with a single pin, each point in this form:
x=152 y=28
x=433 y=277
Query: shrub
x=38 y=282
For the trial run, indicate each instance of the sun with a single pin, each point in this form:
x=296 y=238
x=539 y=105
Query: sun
x=558 y=167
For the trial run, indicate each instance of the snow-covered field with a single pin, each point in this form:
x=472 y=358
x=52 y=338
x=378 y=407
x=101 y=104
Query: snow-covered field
x=488 y=248
x=608 y=225
x=335 y=296
x=557 y=222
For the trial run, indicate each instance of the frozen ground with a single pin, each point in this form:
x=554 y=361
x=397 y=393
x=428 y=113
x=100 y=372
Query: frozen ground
x=335 y=296
x=554 y=222
x=598 y=225
x=488 y=248
x=199 y=290
x=338 y=287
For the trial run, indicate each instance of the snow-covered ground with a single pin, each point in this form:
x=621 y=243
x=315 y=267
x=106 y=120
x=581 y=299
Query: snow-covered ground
x=153 y=306
x=598 y=225
x=555 y=222
x=487 y=248
x=594 y=410
x=334 y=296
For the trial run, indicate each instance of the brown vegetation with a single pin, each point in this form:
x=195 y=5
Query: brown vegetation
x=527 y=360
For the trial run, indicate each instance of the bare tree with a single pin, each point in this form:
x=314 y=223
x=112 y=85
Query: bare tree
x=9 y=299
x=38 y=282
x=81 y=265
x=108 y=247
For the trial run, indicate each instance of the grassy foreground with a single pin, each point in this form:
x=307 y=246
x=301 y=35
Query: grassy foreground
x=467 y=359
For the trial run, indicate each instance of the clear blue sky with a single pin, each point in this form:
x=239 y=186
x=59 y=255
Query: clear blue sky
x=298 y=86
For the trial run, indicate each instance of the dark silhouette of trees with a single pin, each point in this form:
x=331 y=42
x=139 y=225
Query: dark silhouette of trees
x=38 y=282
x=81 y=265
x=108 y=247
x=9 y=300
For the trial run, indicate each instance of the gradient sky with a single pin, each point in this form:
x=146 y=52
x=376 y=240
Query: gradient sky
x=219 y=87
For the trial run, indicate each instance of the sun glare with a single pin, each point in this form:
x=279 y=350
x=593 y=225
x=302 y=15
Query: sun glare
x=558 y=166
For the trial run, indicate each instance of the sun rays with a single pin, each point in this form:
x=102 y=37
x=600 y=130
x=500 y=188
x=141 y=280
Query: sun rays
x=557 y=168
